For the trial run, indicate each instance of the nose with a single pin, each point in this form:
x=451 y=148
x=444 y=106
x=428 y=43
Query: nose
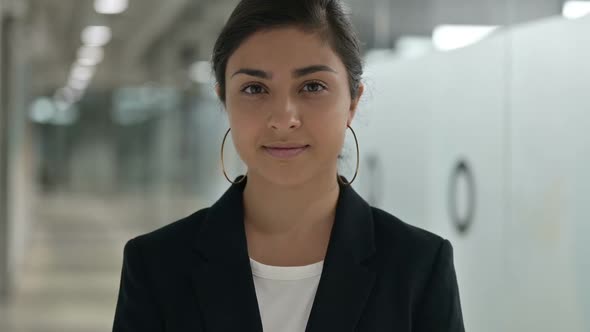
x=284 y=116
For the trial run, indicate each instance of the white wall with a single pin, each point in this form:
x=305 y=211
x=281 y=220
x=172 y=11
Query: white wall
x=549 y=227
x=515 y=108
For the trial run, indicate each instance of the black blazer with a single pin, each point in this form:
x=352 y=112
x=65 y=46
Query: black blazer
x=380 y=274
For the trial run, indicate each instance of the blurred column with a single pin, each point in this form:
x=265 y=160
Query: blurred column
x=15 y=148
x=3 y=157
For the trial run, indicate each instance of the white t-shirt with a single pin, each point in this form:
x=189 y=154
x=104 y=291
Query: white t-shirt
x=285 y=294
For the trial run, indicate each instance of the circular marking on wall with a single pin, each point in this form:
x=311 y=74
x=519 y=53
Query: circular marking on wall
x=462 y=196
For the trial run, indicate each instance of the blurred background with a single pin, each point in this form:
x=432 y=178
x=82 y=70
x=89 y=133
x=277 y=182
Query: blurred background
x=475 y=125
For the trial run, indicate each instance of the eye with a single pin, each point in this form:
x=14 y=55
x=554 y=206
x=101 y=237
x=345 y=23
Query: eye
x=314 y=87
x=253 y=89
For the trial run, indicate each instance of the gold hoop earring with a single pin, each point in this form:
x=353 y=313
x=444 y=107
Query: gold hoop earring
x=357 y=161
x=223 y=164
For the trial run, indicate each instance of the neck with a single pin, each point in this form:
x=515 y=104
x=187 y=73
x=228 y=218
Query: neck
x=279 y=210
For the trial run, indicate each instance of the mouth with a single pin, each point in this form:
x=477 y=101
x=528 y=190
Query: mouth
x=285 y=152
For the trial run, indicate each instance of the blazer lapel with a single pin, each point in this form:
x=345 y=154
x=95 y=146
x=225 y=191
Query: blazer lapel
x=223 y=280
x=222 y=276
x=345 y=283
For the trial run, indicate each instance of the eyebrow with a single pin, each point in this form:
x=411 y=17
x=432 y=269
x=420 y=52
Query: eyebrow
x=299 y=72
x=312 y=69
x=253 y=72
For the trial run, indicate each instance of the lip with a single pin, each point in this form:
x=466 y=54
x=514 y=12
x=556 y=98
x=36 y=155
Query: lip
x=285 y=145
x=285 y=151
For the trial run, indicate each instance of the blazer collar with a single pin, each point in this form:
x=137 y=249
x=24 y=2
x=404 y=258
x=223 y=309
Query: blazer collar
x=224 y=282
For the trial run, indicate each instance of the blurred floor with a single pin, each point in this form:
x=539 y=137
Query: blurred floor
x=71 y=274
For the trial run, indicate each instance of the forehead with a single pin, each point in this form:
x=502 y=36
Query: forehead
x=284 y=49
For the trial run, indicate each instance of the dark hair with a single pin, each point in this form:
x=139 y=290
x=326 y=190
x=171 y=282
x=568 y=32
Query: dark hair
x=326 y=17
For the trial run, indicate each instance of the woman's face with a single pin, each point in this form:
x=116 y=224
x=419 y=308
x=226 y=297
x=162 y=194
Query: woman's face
x=289 y=104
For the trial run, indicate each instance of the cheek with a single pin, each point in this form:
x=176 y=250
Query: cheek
x=244 y=113
x=245 y=131
x=243 y=143
x=328 y=130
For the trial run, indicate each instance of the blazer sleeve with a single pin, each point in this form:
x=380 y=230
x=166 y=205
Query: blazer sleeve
x=136 y=306
x=440 y=309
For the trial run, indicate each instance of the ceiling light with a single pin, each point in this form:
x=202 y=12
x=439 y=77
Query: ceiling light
x=78 y=85
x=110 y=6
x=450 y=37
x=67 y=94
x=96 y=35
x=82 y=73
x=576 y=9
x=90 y=55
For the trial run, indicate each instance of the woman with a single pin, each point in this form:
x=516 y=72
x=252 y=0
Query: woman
x=290 y=246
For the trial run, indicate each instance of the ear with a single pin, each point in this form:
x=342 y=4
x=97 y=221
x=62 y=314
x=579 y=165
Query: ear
x=355 y=102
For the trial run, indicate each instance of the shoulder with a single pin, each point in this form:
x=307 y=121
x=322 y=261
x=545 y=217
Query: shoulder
x=393 y=228
x=171 y=238
x=413 y=248
x=419 y=265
